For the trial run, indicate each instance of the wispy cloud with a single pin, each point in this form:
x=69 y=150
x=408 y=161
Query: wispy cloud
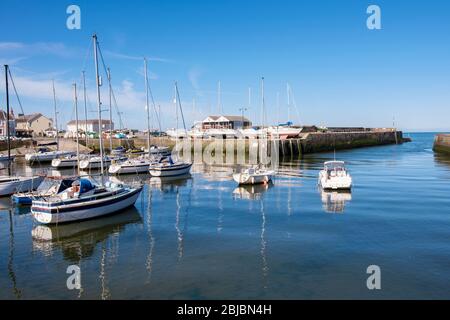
x=39 y=48
x=11 y=45
x=118 y=55
x=194 y=76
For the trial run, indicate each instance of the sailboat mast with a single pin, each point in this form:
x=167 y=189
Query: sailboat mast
x=110 y=112
x=7 y=119
x=181 y=108
x=85 y=108
x=176 y=106
x=147 y=107
x=56 y=115
x=262 y=103
x=219 y=98
x=278 y=111
x=99 y=106
x=76 y=124
x=288 y=91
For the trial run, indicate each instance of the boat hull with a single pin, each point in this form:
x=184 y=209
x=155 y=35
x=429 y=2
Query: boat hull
x=86 y=211
x=86 y=164
x=128 y=169
x=23 y=184
x=64 y=163
x=334 y=183
x=170 y=171
x=246 y=179
x=46 y=156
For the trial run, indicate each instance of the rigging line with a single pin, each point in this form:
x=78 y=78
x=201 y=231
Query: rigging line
x=87 y=56
x=15 y=90
x=103 y=60
x=117 y=109
x=295 y=104
x=154 y=107
x=181 y=109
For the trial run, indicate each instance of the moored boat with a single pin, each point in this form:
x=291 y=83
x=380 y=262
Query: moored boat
x=166 y=167
x=254 y=175
x=334 y=176
x=26 y=198
x=95 y=162
x=12 y=184
x=66 y=162
x=43 y=155
x=83 y=201
x=139 y=165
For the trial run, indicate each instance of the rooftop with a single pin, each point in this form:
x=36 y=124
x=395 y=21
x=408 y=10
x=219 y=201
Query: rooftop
x=28 y=117
x=229 y=118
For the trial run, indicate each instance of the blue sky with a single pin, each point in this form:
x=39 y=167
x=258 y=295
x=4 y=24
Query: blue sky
x=341 y=73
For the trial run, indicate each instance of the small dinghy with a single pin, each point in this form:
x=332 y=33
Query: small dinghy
x=166 y=167
x=334 y=176
x=255 y=175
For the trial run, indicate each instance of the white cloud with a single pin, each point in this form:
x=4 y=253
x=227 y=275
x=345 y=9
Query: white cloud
x=39 y=48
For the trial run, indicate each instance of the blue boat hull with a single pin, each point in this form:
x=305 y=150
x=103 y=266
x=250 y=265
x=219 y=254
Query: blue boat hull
x=22 y=199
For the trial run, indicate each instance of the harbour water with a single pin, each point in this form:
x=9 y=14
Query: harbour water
x=201 y=237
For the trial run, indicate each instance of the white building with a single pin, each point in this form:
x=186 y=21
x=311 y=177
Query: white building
x=89 y=126
x=226 y=122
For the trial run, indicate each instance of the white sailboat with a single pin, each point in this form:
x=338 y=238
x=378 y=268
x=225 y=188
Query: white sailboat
x=95 y=162
x=141 y=164
x=12 y=184
x=166 y=167
x=137 y=165
x=67 y=162
x=256 y=174
x=44 y=155
x=86 y=200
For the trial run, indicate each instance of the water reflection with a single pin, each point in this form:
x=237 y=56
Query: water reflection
x=181 y=222
x=11 y=269
x=251 y=192
x=442 y=160
x=6 y=205
x=214 y=173
x=151 y=238
x=265 y=265
x=169 y=184
x=334 y=201
x=80 y=239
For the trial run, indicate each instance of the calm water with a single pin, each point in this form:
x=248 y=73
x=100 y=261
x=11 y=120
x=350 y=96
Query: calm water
x=204 y=238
